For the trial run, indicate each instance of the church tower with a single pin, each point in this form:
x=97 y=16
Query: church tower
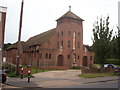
x=69 y=31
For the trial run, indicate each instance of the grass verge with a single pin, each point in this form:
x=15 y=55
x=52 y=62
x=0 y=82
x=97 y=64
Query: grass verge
x=96 y=75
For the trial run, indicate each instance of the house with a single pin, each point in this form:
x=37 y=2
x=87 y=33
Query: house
x=58 y=48
x=3 y=11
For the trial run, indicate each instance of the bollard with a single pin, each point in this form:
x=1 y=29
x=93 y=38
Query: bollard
x=28 y=75
x=21 y=73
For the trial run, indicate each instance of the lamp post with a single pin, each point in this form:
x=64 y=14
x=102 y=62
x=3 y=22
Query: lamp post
x=19 y=38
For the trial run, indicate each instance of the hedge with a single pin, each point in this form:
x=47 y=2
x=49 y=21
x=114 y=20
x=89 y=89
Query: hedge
x=113 y=61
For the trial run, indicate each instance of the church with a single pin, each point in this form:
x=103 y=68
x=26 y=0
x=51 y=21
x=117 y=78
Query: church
x=59 y=48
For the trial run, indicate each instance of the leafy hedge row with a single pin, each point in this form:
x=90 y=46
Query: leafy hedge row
x=113 y=61
x=8 y=67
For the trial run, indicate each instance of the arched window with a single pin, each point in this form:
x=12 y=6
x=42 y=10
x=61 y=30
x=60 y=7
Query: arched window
x=68 y=44
x=49 y=55
x=46 y=55
x=62 y=43
x=78 y=44
x=62 y=33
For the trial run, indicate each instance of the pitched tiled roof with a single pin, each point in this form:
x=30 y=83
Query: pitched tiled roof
x=15 y=45
x=89 y=48
x=40 y=38
x=71 y=15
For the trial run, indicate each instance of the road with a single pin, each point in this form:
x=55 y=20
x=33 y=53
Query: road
x=109 y=84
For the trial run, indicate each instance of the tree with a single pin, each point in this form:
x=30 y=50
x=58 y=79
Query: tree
x=115 y=46
x=7 y=45
x=118 y=42
x=101 y=40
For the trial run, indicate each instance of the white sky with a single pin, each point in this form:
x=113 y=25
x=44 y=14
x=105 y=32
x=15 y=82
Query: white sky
x=40 y=15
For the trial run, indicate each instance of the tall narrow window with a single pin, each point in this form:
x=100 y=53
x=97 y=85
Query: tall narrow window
x=58 y=45
x=46 y=55
x=90 y=58
x=68 y=44
x=68 y=56
x=49 y=56
x=62 y=33
x=78 y=44
x=78 y=34
x=69 y=33
x=62 y=43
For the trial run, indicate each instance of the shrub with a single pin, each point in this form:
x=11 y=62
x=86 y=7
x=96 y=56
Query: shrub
x=8 y=67
x=113 y=61
x=74 y=67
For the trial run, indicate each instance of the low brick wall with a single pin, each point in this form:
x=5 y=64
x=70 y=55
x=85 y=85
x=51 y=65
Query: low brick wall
x=94 y=70
x=55 y=67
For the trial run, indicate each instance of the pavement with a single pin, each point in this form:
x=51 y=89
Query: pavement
x=52 y=79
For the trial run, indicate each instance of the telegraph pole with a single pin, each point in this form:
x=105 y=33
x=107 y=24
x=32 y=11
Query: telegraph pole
x=19 y=39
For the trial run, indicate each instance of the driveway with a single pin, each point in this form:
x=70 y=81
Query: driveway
x=61 y=74
x=57 y=78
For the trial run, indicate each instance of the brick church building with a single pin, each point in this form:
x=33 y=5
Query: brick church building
x=58 y=48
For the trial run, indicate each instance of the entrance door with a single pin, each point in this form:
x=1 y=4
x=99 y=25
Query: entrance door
x=60 y=60
x=85 y=61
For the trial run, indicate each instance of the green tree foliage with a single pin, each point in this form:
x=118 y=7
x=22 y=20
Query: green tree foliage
x=118 y=41
x=101 y=40
x=7 y=45
x=115 y=46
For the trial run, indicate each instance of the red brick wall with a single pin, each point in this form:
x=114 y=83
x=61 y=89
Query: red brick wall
x=66 y=26
x=51 y=47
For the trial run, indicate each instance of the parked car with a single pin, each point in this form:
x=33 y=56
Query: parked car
x=3 y=76
x=109 y=65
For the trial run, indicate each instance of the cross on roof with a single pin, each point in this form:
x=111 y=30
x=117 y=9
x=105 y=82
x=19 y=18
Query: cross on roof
x=69 y=8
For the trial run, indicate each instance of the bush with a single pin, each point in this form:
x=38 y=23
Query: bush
x=8 y=67
x=113 y=61
x=74 y=67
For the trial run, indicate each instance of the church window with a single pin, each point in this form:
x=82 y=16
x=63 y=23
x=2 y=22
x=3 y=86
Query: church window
x=79 y=34
x=74 y=21
x=78 y=44
x=49 y=55
x=46 y=55
x=62 y=33
x=68 y=44
x=58 y=45
x=78 y=57
x=69 y=33
x=90 y=58
x=62 y=43
x=68 y=56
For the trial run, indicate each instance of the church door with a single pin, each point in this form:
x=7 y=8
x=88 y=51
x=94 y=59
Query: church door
x=60 y=60
x=85 y=61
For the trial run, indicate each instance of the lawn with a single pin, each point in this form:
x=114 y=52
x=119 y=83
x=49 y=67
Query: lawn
x=96 y=75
